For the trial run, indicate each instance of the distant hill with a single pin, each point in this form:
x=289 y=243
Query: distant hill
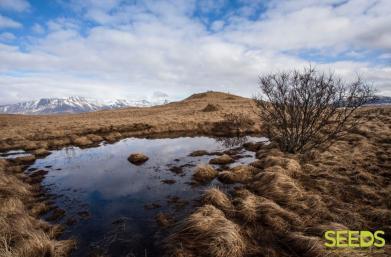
x=380 y=100
x=73 y=104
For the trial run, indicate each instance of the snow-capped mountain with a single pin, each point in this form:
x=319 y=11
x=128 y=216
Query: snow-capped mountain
x=73 y=104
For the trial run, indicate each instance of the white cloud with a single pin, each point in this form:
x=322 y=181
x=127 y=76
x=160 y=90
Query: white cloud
x=139 y=50
x=6 y=22
x=159 y=94
x=7 y=36
x=308 y=24
x=15 y=5
x=38 y=29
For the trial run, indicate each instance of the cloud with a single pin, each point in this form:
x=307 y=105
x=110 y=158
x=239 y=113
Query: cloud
x=15 y=5
x=7 y=36
x=289 y=25
x=38 y=29
x=159 y=94
x=137 y=50
x=6 y=22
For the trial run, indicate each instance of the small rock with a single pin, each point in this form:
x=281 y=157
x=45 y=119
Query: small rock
x=137 y=158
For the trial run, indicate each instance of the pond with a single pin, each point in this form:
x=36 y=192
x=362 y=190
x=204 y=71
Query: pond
x=110 y=204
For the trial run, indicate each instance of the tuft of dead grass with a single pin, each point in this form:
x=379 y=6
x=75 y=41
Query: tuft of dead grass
x=222 y=160
x=207 y=232
x=284 y=209
x=22 y=234
x=214 y=196
x=204 y=173
x=277 y=186
x=238 y=174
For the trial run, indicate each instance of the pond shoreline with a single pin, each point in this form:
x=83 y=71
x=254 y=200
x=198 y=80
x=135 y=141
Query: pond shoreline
x=40 y=201
x=322 y=179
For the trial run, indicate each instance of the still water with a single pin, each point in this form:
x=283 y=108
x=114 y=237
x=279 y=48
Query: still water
x=110 y=204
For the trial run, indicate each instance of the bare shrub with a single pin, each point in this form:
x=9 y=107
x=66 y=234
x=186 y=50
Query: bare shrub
x=302 y=110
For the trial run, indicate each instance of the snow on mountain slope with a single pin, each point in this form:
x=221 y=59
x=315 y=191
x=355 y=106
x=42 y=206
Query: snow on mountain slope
x=73 y=104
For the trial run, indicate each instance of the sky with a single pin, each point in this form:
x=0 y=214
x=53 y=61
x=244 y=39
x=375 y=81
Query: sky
x=109 y=49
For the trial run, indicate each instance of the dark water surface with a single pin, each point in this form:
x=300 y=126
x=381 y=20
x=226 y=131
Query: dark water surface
x=106 y=196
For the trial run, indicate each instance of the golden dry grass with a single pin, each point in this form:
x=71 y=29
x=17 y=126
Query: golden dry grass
x=204 y=173
x=287 y=202
x=22 y=234
x=187 y=116
x=287 y=205
x=207 y=232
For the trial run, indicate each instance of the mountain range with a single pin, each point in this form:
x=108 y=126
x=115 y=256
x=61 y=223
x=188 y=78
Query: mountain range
x=77 y=104
x=73 y=104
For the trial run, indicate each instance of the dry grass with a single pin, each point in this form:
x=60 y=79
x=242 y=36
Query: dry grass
x=187 y=116
x=222 y=160
x=291 y=200
x=288 y=201
x=238 y=174
x=22 y=234
x=204 y=173
x=207 y=232
x=217 y=198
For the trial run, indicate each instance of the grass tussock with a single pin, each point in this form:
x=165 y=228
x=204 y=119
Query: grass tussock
x=284 y=209
x=222 y=160
x=238 y=174
x=22 y=234
x=218 y=199
x=204 y=173
x=207 y=232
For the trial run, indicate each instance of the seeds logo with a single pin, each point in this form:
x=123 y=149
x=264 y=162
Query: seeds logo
x=354 y=239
